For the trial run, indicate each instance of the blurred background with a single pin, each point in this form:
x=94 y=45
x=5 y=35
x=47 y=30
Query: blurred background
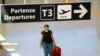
x=76 y=38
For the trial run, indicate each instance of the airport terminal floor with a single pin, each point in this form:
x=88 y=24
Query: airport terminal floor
x=49 y=27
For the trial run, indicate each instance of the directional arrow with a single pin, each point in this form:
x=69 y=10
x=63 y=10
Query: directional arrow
x=83 y=11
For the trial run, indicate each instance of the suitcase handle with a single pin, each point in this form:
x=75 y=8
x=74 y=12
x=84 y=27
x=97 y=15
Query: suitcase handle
x=55 y=48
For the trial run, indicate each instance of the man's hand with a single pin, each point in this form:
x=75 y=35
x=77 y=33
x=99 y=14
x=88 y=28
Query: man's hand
x=41 y=40
x=54 y=44
x=40 y=45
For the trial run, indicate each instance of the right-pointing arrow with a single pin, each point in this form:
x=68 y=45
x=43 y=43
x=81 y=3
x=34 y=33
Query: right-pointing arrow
x=83 y=11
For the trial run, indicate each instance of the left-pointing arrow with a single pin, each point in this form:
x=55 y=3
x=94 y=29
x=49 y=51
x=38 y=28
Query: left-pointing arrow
x=83 y=11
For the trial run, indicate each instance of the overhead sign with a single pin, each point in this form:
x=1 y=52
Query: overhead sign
x=45 y=12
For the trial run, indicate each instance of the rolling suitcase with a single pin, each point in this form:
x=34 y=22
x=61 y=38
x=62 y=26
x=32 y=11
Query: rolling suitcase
x=56 y=51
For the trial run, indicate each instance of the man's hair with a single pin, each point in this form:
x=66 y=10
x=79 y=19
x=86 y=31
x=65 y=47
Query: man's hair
x=46 y=25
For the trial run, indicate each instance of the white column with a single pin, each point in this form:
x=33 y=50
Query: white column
x=24 y=1
x=45 y=1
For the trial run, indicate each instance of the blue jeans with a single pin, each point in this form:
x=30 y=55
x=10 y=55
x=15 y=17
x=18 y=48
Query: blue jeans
x=47 y=47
